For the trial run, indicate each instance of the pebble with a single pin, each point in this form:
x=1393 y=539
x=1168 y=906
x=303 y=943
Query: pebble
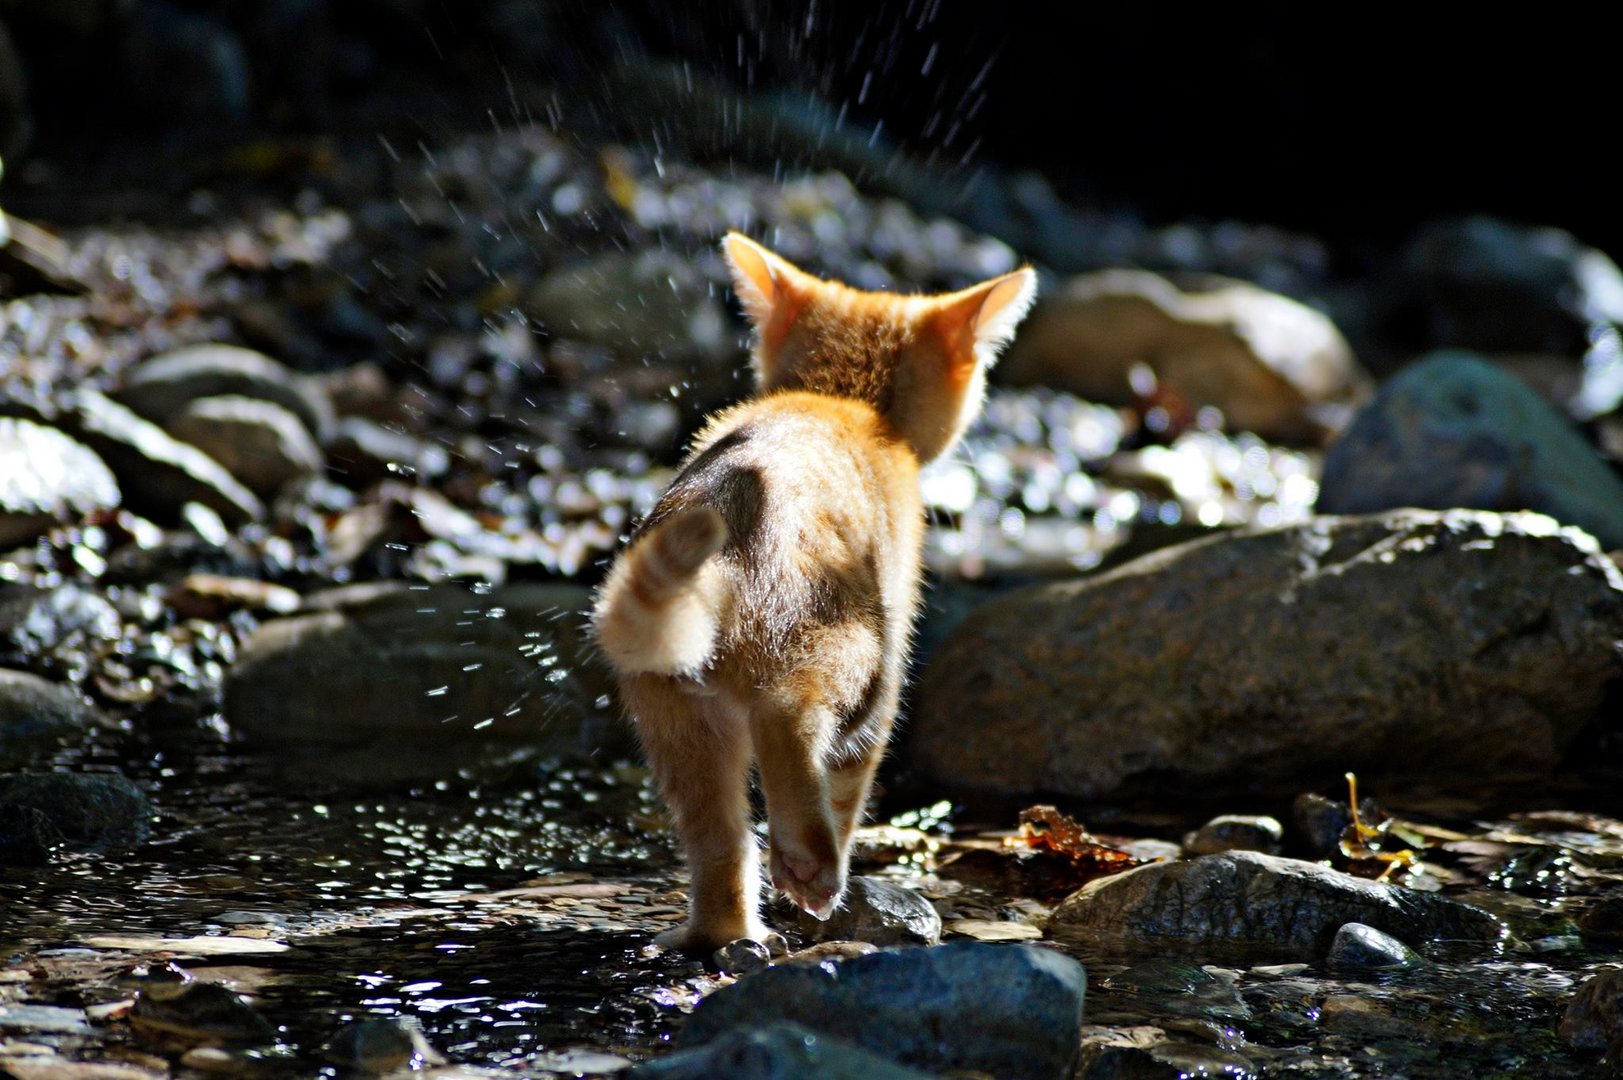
x=259 y=442
x=380 y=1046
x=1236 y=832
x=163 y=386
x=1358 y=948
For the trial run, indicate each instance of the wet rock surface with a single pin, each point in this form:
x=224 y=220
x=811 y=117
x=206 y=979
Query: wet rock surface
x=38 y=716
x=776 y=1050
x=88 y=809
x=1359 y=948
x=1454 y=431
x=1402 y=644
x=1011 y=1010
x=1594 y=1020
x=45 y=478
x=873 y=911
x=1236 y=832
x=1258 y=905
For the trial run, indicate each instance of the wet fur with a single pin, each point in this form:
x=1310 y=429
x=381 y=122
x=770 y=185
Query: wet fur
x=761 y=613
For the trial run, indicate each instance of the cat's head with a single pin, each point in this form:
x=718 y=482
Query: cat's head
x=920 y=360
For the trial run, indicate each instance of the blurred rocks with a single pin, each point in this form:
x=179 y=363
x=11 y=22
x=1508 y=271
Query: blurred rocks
x=422 y=681
x=46 y=478
x=259 y=442
x=775 y=1051
x=1236 y=832
x=59 y=630
x=98 y=810
x=1505 y=288
x=1453 y=431
x=163 y=386
x=652 y=303
x=365 y=452
x=381 y=1045
x=1270 y=364
x=1010 y=1010
x=875 y=911
x=1257 y=906
x=1603 y=922
x=158 y=473
x=38 y=716
x=1411 y=643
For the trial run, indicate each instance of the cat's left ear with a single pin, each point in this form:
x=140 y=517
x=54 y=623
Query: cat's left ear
x=771 y=288
x=981 y=319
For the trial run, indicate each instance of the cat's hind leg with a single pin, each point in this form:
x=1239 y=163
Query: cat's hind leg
x=805 y=857
x=699 y=751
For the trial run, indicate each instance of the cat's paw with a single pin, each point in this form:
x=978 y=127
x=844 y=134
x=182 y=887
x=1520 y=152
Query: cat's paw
x=814 y=885
x=696 y=938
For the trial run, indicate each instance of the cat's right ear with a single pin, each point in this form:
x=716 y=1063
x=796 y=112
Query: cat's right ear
x=771 y=288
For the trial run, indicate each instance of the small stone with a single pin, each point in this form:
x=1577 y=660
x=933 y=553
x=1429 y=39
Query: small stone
x=1594 y=1018
x=1317 y=825
x=1359 y=948
x=47 y=478
x=48 y=629
x=1236 y=832
x=828 y=950
x=1603 y=921
x=43 y=1019
x=741 y=957
x=380 y=1046
x=874 y=911
x=364 y=452
x=777 y=1051
x=198 y=1012
x=993 y=930
x=651 y=303
x=259 y=442
x=1014 y=1011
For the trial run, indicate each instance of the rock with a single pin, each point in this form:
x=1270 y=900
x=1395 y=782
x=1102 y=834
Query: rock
x=1014 y=1011
x=1492 y=285
x=42 y=1020
x=775 y=1051
x=162 y=386
x=1454 y=431
x=38 y=716
x=1236 y=832
x=27 y=836
x=47 y=478
x=874 y=911
x=741 y=957
x=157 y=472
x=425 y=679
x=1594 y=1018
x=198 y=1012
x=262 y=444
x=1357 y=948
x=1272 y=365
x=1124 y=1057
x=89 y=809
x=1259 y=907
x=364 y=452
x=651 y=303
x=1317 y=825
x=1405 y=644
x=1602 y=923
x=380 y=1046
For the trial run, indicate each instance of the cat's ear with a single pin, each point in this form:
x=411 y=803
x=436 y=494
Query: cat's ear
x=771 y=288
x=981 y=319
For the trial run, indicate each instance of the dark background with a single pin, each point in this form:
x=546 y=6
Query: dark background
x=1355 y=124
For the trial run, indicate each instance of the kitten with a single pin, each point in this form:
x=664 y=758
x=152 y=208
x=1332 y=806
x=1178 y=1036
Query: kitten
x=763 y=609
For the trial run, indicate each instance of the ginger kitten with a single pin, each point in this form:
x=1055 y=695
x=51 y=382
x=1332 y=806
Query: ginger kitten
x=762 y=610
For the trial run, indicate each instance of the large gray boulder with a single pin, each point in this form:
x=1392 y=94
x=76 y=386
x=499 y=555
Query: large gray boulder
x=1014 y=1011
x=1262 y=907
x=1455 y=431
x=1411 y=643
x=424 y=680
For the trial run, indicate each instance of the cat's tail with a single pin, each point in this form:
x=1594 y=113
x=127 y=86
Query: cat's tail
x=661 y=607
